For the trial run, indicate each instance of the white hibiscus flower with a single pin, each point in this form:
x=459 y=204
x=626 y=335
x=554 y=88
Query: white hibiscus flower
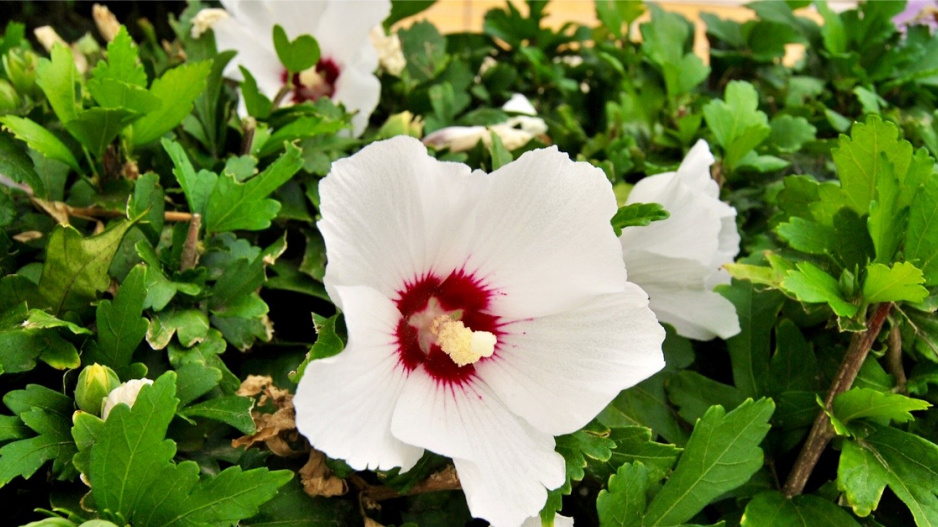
x=486 y=313
x=345 y=71
x=678 y=261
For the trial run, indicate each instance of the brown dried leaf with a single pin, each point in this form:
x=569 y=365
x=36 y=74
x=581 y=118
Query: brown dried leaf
x=278 y=429
x=318 y=480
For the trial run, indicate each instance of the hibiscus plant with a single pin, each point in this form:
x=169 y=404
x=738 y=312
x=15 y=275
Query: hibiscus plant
x=318 y=263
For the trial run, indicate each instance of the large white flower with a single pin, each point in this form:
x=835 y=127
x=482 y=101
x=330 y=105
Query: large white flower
x=678 y=261
x=345 y=71
x=516 y=275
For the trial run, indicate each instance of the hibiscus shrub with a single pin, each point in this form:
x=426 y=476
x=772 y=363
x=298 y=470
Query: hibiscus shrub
x=320 y=264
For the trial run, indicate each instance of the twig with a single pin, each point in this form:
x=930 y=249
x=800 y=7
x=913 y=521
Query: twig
x=894 y=358
x=250 y=126
x=190 y=250
x=822 y=432
x=54 y=208
x=282 y=94
x=445 y=479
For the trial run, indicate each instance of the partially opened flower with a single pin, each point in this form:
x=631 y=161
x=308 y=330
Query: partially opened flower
x=486 y=313
x=124 y=394
x=345 y=71
x=678 y=261
x=514 y=133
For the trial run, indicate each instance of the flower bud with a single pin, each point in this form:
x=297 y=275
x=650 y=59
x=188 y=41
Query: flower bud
x=125 y=393
x=20 y=68
x=9 y=99
x=402 y=123
x=95 y=382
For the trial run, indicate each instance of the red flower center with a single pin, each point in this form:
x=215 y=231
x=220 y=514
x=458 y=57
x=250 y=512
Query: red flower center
x=457 y=293
x=308 y=87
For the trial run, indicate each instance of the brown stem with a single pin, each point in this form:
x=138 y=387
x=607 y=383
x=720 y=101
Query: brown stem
x=445 y=479
x=190 y=250
x=57 y=208
x=282 y=94
x=250 y=126
x=894 y=358
x=821 y=431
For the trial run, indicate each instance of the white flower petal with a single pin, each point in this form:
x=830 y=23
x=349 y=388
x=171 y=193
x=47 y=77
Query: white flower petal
x=344 y=404
x=359 y=91
x=697 y=314
x=457 y=138
x=257 y=55
x=343 y=28
x=126 y=393
x=559 y=371
x=542 y=235
x=505 y=465
x=390 y=213
x=518 y=103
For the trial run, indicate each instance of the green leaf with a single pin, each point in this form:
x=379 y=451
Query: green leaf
x=298 y=55
x=97 y=127
x=122 y=62
x=195 y=380
x=623 y=502
x=921 y=237
x=832 y=31
x=59 y=80
x=47 y=413
x=39 y=139
x=424 y=49
x=737 y=123
x=750 y=349
x=900 y=283
x=196 y=187
x=861 y=157
x=233 y=410
x=722 y=453
x=232 y=205
x=875 y=406
x=903 y=461
x=633 y=444
x=773 y=509
x=500 y=155
x=132 y=473
x=121 y=326
x=638 y=215
x=15 y=163
x=300 y=128
x=177 y=89
x=401 y=9
x=664 y=41
x=616 y=15
x=75 y=269
x=807 y=236
x=292 y=507
x=789 y=133
x=20 y=346
x=257 y=104
x=327 y=344
x=694 y=394
x=811 y=284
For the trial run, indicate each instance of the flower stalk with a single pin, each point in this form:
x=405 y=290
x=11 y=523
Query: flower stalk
x=822 y=431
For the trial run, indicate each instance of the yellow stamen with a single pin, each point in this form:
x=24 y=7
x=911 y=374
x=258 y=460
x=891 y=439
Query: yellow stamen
x=462 y=344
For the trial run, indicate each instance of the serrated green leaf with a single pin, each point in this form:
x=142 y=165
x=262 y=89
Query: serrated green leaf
x=751 y=348
x=616 y=15
x=499 y=154
x=862 y=156
x=903 y=461
x=832 y=31
x=921 y=237
x=623 y=502
x=11 y=427
x=736 y=122
x=875 y=406
x=257 y=104
x=722 y=453
x=638 y=215
x=292 y=507
x=195 y=380
x=424 y=49
x=16 y=164
x=97 y=127
x=300 y=54
x=233 y=206
x=663 y=41
x=900 y=283
x=121 y=326
x=789 y=133
x=122 y=62
x=634 y=444
x=694 y=394
x=20 y=346
x=39 y=139
x=132 y=473
x=59 y=79
x=327 y=344
x=773 y=509
x=47 y=413
x=196 y=186
x=177 y=89
x=807 y=236
x=190 y=325
x=811 y=284
x=75 y=269
x=233 y=410
x=300 y=128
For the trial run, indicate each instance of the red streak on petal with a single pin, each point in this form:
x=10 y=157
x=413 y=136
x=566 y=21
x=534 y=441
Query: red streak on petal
x=458 y=291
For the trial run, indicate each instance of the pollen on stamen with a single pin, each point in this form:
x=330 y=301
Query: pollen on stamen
x=463 y=345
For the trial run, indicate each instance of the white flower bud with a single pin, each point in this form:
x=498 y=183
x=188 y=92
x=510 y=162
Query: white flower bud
x=125 y=393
